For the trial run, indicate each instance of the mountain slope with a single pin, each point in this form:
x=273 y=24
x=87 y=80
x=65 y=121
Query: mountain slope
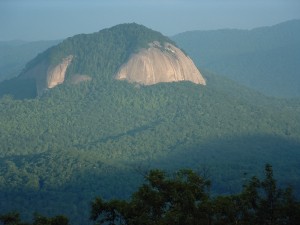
x=264 y=59
x=73 y=142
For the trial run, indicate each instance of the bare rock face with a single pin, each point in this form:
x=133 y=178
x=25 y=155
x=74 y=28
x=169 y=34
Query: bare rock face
x=160 y=64
x=48 y=76
x=56 y=75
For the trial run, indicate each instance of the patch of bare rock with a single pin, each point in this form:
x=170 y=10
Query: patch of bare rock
x=160 y=64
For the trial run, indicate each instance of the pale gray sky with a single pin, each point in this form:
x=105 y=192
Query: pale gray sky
x=57 y=19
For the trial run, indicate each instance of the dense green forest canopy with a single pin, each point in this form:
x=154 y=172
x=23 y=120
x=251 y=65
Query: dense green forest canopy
x=61 y=149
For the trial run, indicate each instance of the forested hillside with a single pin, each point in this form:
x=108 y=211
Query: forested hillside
x=265 y=59
x=61 y=150
x=77 y=141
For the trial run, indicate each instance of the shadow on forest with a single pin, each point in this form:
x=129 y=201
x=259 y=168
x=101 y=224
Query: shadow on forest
x=18 y=88
x=227 y=162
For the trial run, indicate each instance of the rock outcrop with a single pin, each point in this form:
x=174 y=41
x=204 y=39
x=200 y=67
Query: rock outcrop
x=56 y=75
x=47 y=76
x=160 y=64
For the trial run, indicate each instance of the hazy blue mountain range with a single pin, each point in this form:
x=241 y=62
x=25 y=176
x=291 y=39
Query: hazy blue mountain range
x=60 y=149
x=265 y=59
x=15 y=54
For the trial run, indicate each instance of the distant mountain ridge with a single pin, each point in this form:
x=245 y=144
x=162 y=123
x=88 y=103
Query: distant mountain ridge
x=15 y=54
x=265 y=59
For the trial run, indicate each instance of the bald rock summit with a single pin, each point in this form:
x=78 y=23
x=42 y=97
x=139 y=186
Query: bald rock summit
x=159 y=63
x=128 y=52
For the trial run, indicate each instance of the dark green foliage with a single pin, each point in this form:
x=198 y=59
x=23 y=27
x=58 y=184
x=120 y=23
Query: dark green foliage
x=13 y=218
x=265 y=203
x=57 y=220
x=184 y=199
x=264 y=59
x=108 y=212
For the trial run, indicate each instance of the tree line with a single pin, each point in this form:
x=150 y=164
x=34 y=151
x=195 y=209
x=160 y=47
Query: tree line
x=184 y=198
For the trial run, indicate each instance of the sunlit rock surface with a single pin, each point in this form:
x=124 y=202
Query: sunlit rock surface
x=56 y=75
x=160 y=64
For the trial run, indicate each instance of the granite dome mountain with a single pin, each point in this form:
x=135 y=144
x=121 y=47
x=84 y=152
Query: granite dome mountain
x=130 y=52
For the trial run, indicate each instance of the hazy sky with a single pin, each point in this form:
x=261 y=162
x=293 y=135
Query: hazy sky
x=56 y=19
